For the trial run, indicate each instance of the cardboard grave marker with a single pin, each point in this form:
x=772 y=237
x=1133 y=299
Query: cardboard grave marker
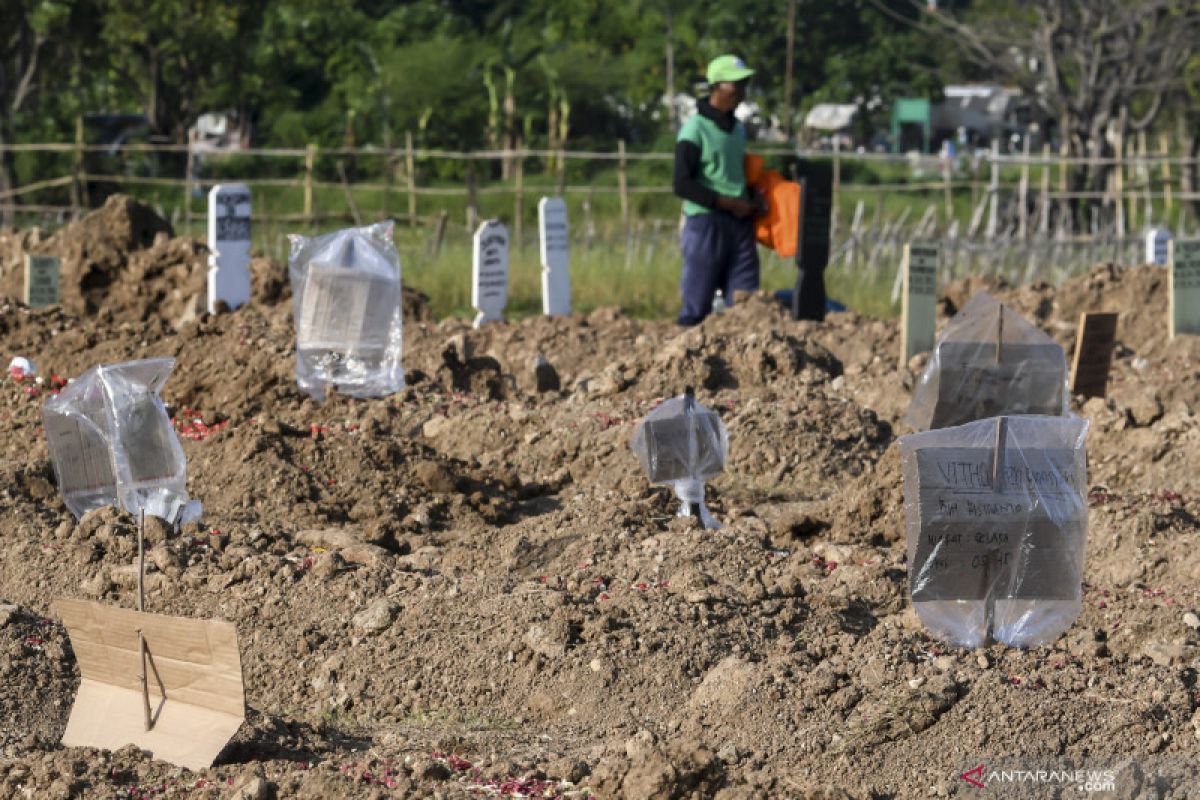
x=996 y=523
x=1157 y=240
x=42 y=280
x=555 y=252
x=196 y=702
x=229 y=245
x=919 y=293
x=988 y=362
x=1094 y=343
x=489 y=271
x=1184 y=259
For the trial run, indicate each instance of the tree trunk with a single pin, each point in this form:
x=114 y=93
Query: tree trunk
x=670 y=54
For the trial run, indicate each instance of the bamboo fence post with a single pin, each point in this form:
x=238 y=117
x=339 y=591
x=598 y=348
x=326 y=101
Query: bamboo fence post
x=519 y=195
x=1044 y=203
x=472 y=199
x=79 y=194
x=837 y=186
x=947 y=189
x=310 y=158
x=1023 y=192
x=410 y=174
x=993 y=191
x=1168 y=201
x=387 y=180
x=623 y=185
x=1118 y=186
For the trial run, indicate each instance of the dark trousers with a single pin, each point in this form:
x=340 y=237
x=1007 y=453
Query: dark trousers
x=719 y=252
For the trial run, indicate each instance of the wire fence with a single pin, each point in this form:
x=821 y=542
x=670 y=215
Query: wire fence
x=1020 y=215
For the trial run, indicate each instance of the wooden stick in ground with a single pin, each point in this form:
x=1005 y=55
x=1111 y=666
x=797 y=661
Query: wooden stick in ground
x=999 y=333
x=142 y=607
x=997 y=487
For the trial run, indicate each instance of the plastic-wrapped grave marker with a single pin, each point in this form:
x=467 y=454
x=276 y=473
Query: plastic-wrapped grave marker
x=112 y=443
x=989 y=361
x=684 y=444
x=996 y=515
x=346 y=297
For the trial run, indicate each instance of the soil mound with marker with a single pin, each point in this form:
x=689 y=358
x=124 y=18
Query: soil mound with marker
x=468 y=589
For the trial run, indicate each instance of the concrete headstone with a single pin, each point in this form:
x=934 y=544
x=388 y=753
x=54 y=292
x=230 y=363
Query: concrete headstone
x=41 y=280
x=229 y=243
x=489 y=271
x=1156 y=246
x=555 y=252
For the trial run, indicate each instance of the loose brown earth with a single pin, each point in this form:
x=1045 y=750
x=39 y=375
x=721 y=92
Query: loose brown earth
x=538 y=619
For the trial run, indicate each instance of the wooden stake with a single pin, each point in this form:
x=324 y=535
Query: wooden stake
x=623 y=185
x=1000 y=333
x=310 y=159
x=410 y=170
x=519 y=197
x=142 y=607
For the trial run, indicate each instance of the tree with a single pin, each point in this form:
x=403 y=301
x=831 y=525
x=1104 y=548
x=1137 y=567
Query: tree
x=1102 y=69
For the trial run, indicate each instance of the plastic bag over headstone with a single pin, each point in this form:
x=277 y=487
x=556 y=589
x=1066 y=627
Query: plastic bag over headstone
x=683 y=444
x=996 y=516
x=989 y=361
x=112 y=443
x=347 y=301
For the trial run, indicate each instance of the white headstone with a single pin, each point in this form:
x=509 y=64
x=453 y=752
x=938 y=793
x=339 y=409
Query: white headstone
x=489 y=271
x=229 y=245
x=556 y=275
x=1156 y=246
x=919 y=270
x=1185 y=286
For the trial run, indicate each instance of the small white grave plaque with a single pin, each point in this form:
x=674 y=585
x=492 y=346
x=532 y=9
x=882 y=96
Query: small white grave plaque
x=920 y=299
x=1185 y=286
x=489 y=271
x=556 y=275
x=41 y=280
x=1156 y=246
x=229 y=245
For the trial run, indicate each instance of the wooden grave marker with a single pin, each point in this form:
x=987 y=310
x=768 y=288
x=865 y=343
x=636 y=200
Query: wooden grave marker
x=554 y=244
x=228 y=245
x=1185 y=286
x=1094 y=342
x=919 y=293
x=42 y=274
x=489 y=271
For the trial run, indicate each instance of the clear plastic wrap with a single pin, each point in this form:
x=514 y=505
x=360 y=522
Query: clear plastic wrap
x=996 y=516
x=683 y=444
x=989 y=361
x=111 y=442
x=346 y=295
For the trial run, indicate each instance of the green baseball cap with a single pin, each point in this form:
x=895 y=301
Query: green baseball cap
x=727 y=68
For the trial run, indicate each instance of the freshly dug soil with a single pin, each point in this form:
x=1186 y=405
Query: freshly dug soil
x=468 y=589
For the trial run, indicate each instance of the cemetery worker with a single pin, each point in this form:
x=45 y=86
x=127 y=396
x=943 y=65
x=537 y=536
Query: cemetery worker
x=718 y=244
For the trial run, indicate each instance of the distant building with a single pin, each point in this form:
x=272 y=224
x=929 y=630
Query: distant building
x=969 y=115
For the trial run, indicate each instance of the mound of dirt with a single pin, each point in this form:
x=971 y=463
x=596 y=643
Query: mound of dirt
x=469 y=589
